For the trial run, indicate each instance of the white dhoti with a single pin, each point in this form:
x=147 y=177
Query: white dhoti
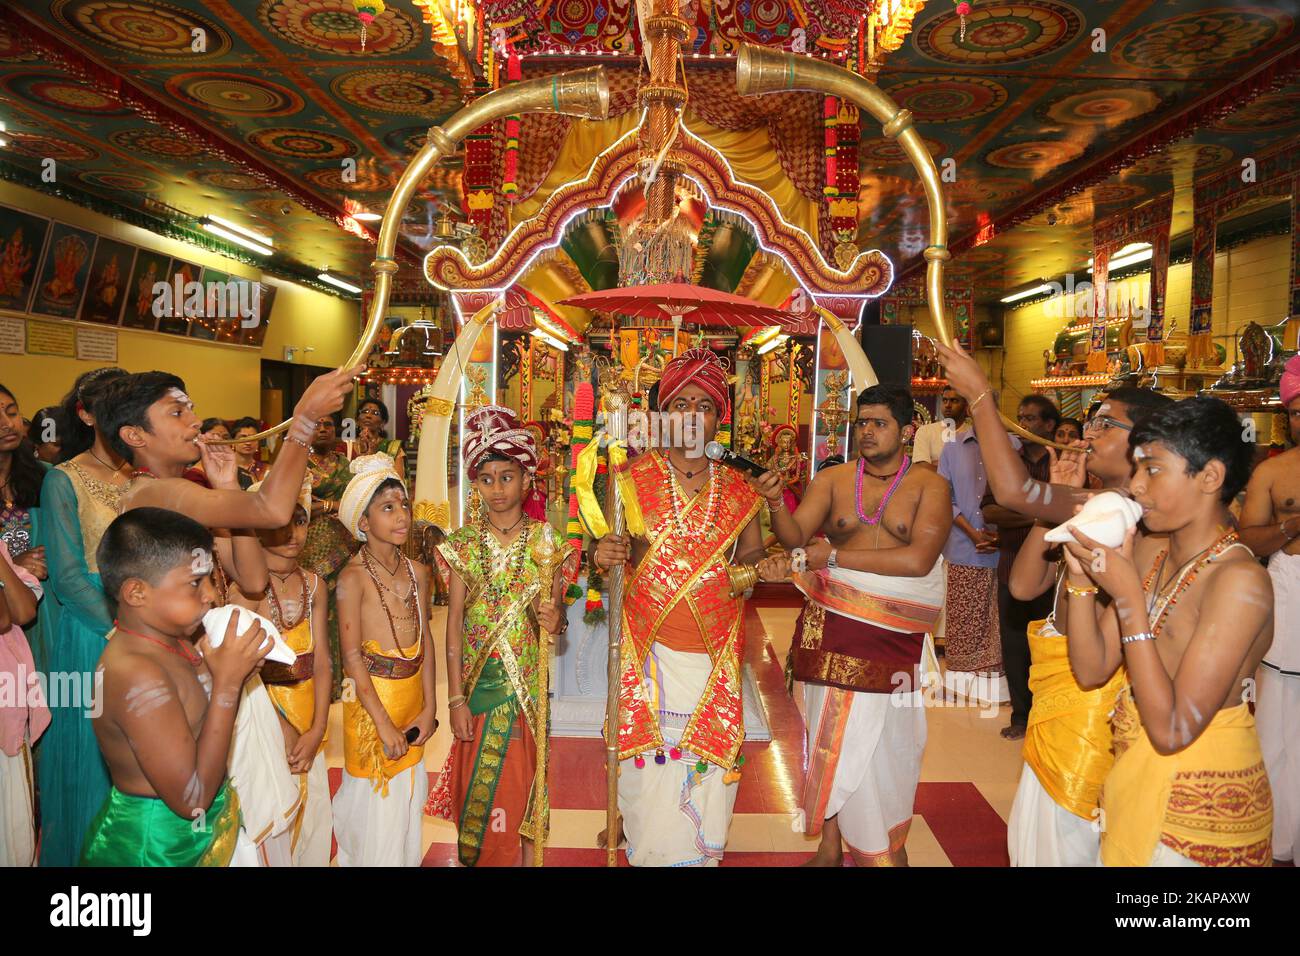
x=1277 y=705
x=17 y=822
x=673 y=815
x=269 y=793
x=867 y=631
x=876 y=767
x=377 y=830
x=307 y=841
x=1041 y=832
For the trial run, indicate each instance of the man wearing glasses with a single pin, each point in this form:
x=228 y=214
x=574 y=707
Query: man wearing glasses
x=1055 y=818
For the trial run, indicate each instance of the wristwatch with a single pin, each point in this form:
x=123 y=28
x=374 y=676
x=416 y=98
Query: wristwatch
x=830 y=559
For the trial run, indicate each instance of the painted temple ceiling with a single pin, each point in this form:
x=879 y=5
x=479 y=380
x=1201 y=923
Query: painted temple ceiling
x=1051 y=113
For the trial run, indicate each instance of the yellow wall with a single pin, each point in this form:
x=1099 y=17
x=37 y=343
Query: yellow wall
x=1251 y=284
x=223 y=380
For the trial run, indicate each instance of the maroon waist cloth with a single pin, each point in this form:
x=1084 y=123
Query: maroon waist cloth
x=841 y=652
x=273 y=672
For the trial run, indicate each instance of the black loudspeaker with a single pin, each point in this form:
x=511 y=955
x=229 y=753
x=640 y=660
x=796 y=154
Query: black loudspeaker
x=889 y=347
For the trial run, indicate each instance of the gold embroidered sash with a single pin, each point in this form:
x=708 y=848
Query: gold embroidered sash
x=677 y=568
x=1067 y=742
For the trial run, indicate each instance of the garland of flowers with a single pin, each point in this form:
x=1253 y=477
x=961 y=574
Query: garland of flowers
x=510 y=183
x=584 y=422
x=594 y=611
x=830 y=116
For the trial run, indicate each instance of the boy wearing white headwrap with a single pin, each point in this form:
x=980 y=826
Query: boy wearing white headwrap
x=388 y=696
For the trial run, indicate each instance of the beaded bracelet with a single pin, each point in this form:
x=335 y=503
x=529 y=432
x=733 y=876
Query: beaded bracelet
x=1140 y=636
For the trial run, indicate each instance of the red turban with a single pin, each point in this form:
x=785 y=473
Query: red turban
x=702 y=368
x=493 y=429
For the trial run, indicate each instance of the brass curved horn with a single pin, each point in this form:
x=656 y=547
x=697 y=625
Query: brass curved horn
x=761 y=70
x=581 y=93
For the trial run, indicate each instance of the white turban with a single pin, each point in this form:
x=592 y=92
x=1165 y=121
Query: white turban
x=368 y=473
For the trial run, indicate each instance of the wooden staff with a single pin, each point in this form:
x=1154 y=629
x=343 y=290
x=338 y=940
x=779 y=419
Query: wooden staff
x=616 y=402
x=548 y=559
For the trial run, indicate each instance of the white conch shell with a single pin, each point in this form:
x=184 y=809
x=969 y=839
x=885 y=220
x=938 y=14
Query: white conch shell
x=1105 y=518
x=217 y=620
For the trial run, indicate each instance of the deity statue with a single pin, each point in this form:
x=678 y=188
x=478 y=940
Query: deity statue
x=787 y=461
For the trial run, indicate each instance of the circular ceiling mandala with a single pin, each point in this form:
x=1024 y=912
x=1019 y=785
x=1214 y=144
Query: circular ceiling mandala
x=1101 y=107
x=334 y=27
x=368 y=179
x=1000 y=32
x=887 y=152
x=1273 y=111
x=125 y=182
x=1039 y=154
x=1195 y=41
x=155 y=142
x=43 y=146
x=404 y=92
x=302 y=143
x=985 y=189
x=1116 y=192
x=60 y=94
x=1182 y=156
x=155 y=30
x=408 y=140
x=948 y=99
x=234 y=93
x=225 y=179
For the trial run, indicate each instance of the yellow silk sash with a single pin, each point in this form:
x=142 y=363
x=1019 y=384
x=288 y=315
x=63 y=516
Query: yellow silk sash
x=296 y=700
x=403 y=699
x=1067 y=743
x=1209 y=802
x=584 y=479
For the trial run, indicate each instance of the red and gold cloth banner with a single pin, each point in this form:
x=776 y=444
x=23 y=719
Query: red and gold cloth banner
x=1147 y=223
x=677 y=568
x=1276 y=174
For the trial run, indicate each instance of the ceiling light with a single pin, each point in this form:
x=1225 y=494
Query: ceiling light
x=775 y=343
x=367 y=216
x=246 y=233
x=1026 y=293
x=236 y=238
x=549 y=327
x=339 y=283
x=1122 y=261
x=3 y=142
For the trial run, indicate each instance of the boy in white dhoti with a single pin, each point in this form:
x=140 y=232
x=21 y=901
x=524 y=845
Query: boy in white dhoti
x=389 y=703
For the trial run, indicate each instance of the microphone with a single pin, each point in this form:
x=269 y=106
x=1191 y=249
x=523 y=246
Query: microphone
x=720 y=453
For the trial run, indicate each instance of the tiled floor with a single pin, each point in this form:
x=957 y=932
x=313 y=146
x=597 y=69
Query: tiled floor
x=968 y=777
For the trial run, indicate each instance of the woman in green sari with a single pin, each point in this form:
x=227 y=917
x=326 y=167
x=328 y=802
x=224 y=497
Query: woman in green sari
x=329 y=545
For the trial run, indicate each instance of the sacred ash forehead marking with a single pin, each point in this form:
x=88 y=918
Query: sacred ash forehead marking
x=1140 y=452
x=180 y=396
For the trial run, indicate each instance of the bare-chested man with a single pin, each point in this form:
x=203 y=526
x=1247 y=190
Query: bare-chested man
x=874 y=587
x=1191 y=619
x=1270 y=525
